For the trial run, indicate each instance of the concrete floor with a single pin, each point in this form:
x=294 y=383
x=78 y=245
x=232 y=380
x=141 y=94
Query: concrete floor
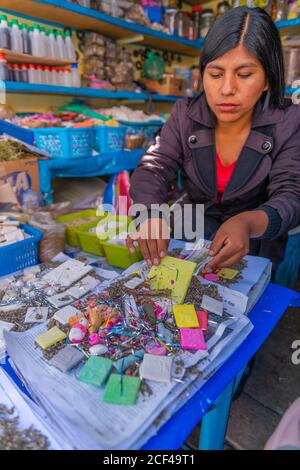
x=271 y=388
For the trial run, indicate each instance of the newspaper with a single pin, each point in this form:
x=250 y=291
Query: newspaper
x=24 y=411
x=77 y=408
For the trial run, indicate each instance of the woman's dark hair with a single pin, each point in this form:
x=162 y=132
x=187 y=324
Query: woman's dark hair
x=255 y=30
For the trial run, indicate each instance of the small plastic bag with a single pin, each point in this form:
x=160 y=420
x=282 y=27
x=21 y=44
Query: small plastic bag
x=53 y=241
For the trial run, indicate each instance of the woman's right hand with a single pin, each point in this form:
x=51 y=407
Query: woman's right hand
x=153 y=237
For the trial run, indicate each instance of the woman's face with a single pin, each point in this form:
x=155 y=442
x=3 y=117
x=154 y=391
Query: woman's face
x=233 y=84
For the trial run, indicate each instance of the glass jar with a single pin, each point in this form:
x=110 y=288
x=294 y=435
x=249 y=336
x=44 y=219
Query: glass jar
x=207 y=20
x=191 y=28
x=182 y=24
x=197 y=11
x=291 y=56
x=222 y=8
x=281 y=13
x=169 y=20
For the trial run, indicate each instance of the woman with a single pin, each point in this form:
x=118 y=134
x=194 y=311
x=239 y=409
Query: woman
x=238 y=145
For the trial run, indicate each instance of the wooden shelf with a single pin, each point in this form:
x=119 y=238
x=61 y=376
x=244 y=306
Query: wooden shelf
x=18 y=58
x=63 y=13
x=29 y=88
x=289 y=27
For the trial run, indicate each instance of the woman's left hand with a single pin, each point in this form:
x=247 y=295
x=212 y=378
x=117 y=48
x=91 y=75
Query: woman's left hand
x=230 y=244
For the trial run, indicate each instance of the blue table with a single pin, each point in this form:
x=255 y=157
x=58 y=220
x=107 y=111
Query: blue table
x=219 y=389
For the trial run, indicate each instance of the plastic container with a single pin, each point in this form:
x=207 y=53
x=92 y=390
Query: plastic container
x=169 y=20
x=119 y=256
x=24 y=73
x=76 y=79
x=39 y=74
x=22 y=254
x=16 y=36
x=197 y=10
x=4 y=74
x=47 y=75
x=68 y=80
x=72 y=238
x=31 y=74
x=44 y=41
x=36 y=41
x=109 y=139
x=17 y=73
x=25 y=39
x=60 y=46
x=51 y=43
x=69 y=48
x=90 y=243
x=65 y=143
x=30 y=33
x=146 y=130
x=18 y=132
x=207 y=20
x=5 y=42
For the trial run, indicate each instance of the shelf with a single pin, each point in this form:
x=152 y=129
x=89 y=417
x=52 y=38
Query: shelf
x=29 y=88
x=289 y=24
x=18 y=58
x=17 y=87
x=63 y=13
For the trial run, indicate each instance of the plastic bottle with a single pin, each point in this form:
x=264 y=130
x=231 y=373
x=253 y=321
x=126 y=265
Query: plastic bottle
x=5 y=42
x=24 y=73
x=61 y=77
x=43 y=37
x=25 y=39
x=16 y=36
x=17 y=73
x=68 y=77
x=69 y=48
x=36 y=41
x=30 y=33
x=39 y=75
x=54 y=76
x=31 y=73
x=60 y=44
x=76 y=79
x=50 y=75
x=11 y=75
x=45 y=75
x=51 y=43
x=4 y=74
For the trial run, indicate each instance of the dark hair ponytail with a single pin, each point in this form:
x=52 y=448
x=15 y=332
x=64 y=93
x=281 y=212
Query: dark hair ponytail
x=253 y=28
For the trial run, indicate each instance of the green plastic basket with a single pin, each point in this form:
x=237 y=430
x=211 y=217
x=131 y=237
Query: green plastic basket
x=72 y=238
x=90 y=243
x=119 y=255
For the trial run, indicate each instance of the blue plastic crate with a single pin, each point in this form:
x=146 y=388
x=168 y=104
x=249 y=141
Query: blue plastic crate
x=21 y=254
x=146 y=130
x=65 y=143
x=18 y=132
x=109 y=139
